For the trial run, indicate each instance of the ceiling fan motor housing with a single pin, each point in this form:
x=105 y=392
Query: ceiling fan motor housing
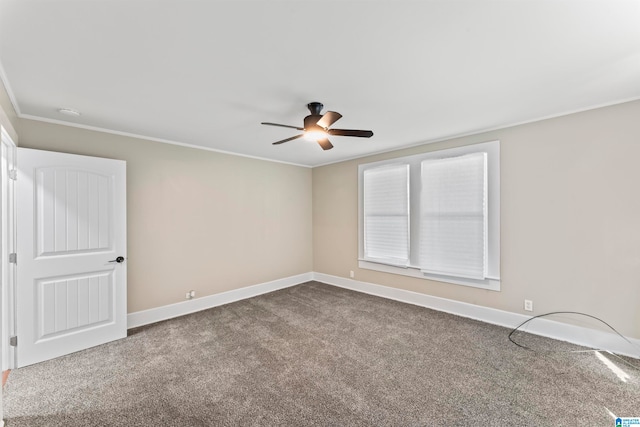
x=310 y=123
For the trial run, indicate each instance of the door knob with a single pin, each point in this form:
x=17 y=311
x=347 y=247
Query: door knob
x=119 y=259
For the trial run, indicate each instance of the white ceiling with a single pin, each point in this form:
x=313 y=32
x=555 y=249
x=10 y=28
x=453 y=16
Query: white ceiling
x=206 y=73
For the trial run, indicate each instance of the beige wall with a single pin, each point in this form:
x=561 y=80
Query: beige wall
x=8 y=117
x=570 y=217
x=197 y=219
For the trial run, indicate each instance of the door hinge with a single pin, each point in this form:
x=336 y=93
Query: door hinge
x=13 y=341
x=13 y=258
x=13 y=174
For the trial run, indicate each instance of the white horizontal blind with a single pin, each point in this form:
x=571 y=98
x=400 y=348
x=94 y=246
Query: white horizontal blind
x=453 y=216
x=386 y=214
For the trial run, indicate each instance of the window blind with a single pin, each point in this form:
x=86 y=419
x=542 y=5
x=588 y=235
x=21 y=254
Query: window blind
x=386 y=214
x=453 y=216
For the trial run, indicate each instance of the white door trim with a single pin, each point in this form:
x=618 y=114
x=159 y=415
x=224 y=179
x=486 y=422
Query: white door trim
x=7 y=246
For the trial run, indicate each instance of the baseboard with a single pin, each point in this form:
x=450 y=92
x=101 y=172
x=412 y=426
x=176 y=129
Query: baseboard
x=561 y=331
x=145 y=317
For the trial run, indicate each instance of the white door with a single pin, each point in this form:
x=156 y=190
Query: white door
x=71 y=244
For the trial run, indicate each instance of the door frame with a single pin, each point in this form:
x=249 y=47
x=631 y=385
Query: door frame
x=7 y=246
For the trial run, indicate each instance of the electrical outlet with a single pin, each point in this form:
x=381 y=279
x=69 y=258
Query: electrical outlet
x=187 y=295
x=190 y=295
x=528 y=305
x=351 y=274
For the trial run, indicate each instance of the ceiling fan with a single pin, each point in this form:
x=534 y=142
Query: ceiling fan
x=316 y=127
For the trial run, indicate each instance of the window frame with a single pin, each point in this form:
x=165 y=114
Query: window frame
x=492 y=281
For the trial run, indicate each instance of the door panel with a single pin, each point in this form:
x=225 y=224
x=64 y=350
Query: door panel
x=68 y=304
x=72 y=225
x=74 y=209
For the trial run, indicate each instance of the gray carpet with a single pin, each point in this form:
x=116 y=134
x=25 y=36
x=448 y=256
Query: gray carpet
x=315 y=354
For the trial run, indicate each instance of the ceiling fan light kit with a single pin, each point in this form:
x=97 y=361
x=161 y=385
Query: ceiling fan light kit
x=316 y=127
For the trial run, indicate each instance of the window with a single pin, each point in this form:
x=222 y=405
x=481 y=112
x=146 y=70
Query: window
x=434 y=215
x=453 y=216
x=386 y=214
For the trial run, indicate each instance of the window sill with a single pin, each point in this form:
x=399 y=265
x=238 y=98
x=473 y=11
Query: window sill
x=492 y=284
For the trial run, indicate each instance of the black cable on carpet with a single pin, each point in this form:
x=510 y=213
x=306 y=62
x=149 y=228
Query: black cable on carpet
x=574 y=351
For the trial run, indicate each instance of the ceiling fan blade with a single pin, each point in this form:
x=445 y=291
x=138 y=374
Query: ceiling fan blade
x=288 y=139
x=329 y=118
x=282 y=126
x=351 y=132
x=325 y=144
